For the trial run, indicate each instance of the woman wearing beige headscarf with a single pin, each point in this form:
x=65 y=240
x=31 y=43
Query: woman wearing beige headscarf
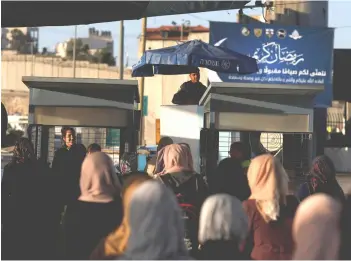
x=316 y=229
x=269 y=212
x=97 y=211
x=115 y=243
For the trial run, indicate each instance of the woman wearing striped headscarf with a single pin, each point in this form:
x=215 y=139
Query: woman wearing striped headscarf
x=321 y=179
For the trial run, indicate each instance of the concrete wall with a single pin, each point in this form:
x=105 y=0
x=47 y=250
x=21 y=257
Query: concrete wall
x=161 y=88
x=14 y=93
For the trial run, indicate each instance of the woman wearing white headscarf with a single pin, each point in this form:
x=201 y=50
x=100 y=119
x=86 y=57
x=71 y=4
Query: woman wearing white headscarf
x=223 y=226
x=270 y=210
x=156 y=225
x=98 y=210
x=316 y=228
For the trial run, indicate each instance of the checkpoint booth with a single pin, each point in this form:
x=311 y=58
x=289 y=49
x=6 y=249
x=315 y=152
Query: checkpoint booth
x=102 y=111
x=249 y=112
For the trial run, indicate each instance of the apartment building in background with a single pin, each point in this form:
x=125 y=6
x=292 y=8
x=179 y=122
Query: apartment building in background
x=31 y=42
x=96 y=40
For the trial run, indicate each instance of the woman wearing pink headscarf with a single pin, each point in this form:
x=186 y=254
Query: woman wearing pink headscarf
x=97 y=211
x=190 y=187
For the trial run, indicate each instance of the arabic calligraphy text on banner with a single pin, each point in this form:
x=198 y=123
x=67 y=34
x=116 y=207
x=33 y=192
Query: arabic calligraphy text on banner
x=285 y=54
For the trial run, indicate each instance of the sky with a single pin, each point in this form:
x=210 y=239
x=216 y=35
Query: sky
x=339 y=18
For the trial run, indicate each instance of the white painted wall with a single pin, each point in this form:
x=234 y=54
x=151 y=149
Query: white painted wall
x=183 y=124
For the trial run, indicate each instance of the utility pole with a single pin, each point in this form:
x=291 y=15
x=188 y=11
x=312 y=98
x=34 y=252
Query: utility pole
x=74 y=51
x=121 y=50
x=32 y=54
x=142 y=81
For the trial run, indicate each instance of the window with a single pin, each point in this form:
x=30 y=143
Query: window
x=164 y=34
x=338 y=125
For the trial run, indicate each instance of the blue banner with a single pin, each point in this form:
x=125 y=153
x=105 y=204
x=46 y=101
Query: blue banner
x=285 y=54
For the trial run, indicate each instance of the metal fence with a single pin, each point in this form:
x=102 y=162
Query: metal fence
x=107 y=138
x=293 y=149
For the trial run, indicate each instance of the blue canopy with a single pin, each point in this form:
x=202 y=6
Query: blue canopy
x=186 y=57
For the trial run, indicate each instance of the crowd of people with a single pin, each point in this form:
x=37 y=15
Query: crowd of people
x=82 y=208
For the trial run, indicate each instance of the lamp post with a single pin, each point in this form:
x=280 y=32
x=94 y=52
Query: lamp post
x=74 y=51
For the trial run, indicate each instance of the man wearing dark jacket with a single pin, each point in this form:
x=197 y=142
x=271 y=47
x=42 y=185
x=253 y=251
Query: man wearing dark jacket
x=191 y=91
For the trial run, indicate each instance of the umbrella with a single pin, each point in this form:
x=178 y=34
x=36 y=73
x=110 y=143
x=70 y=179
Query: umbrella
x=59 y=13
x=183 y=58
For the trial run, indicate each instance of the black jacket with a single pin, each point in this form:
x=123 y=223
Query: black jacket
x=194 y=191
x=66 y=167
x=220 y=250
x=29 y=211
x=189 y=93
x=87 y=223
x=230 y=178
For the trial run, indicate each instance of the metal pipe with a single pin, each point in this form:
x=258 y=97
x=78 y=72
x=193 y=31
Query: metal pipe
x=32 y=53
x=121 y=50
x=74 y=51
x=142 y=82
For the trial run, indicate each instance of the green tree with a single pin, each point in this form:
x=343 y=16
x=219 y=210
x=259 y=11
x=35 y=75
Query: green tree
x=104 y=56
x=20 y=42
x=82 y=50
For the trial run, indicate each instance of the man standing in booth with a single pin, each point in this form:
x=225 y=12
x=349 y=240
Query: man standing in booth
x=191 y=91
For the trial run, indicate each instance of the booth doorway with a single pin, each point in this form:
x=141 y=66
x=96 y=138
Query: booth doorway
x=108 y=138
x=292 y=149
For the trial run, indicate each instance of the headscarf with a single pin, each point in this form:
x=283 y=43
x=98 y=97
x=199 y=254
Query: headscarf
x=160 y=165
x=156 y=225
x=177 y=158
x=98 y=181
x=23 y=151
x=222 y=217
x=128 y=163
x=158 y=160
x=268 y=182
x=316 y=229
x=322 y=177
x=115 y=244
x=164 y=141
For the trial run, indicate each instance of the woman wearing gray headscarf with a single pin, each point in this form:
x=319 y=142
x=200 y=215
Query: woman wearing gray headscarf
x=223 y=226
x=316 y=228
x=156 y=225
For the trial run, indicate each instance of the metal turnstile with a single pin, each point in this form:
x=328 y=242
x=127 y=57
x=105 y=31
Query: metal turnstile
x=277 y=119
x=101 y=111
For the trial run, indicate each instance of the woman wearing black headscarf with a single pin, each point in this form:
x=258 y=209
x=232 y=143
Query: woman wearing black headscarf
x=321 y=179
x=27 y=213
